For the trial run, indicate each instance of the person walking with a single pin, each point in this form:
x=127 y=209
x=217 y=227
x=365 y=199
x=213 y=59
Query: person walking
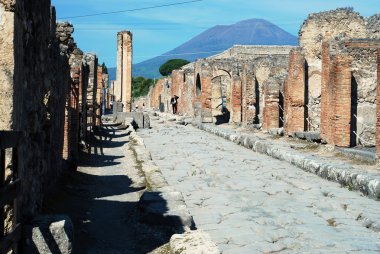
x=174 y=102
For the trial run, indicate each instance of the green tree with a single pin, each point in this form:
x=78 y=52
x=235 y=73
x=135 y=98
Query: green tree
x=173 y=64
x=104 y=68
x=140 y=86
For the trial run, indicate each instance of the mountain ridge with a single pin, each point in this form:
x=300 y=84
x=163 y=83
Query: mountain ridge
x=217 y=39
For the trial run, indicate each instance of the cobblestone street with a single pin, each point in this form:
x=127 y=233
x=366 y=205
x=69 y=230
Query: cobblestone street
x=252 y=203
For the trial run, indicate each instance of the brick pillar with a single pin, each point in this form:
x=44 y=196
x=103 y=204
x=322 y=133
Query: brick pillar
x=74 y=114
x=378 y=107
x=342 y=100
x=236 y=100
x=294 y=94
x=250 y=99
x=271 y=107
x=326 y=94
x=177 y=81
x=99 y=89
x=71 y=125
x=206 y=99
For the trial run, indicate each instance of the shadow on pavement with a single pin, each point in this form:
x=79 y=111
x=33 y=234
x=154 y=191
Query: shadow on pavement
x=104 y=207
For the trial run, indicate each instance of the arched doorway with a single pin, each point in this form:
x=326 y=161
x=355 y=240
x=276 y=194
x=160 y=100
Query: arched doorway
x=221 y=92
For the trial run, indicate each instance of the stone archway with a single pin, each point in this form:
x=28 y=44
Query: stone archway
x=221 y=92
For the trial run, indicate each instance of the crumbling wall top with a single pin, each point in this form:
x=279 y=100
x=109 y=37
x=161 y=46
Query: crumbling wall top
x=343 y=22
x=64 y=31
x=249 y=51
x=373 y=26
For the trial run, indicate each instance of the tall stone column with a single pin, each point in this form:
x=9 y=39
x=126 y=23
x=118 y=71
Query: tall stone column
x=124 y=68
x=119 y=67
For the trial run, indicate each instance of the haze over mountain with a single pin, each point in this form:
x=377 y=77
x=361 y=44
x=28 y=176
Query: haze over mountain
x=217 y=39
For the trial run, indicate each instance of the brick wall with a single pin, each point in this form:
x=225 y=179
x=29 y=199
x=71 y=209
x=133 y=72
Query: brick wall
x=341 y=102
x=249 y=96
x=206 y=99
x=70 y=148
x=99 y=91
x=271 y=112
x=236 y=100
x=294 y=94
x=326 y=94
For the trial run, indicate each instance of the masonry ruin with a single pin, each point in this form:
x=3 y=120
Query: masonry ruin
x=48 y=90
x=326 y=86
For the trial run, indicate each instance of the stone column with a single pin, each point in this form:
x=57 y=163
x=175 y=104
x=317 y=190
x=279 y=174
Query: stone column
x=294 y=94
x=119 y=67
x=342 y=100
x=124 y=68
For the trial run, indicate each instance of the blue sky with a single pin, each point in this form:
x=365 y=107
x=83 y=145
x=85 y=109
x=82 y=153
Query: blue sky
x=158 y=30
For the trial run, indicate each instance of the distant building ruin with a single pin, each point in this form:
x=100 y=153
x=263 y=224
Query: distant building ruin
x=327 y=85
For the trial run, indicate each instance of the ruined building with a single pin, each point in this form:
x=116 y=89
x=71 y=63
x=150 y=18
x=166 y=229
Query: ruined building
x=327 y=85
x=47 y=90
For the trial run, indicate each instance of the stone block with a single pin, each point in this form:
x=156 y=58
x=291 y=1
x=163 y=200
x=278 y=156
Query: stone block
x=146 y=121
x=49 y=234
x=193 y=242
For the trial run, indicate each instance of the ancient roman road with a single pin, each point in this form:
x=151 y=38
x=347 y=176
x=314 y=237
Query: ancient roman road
x=251 y=203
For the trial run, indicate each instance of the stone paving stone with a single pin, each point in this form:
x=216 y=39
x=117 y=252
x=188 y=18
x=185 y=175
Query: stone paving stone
x=252 y=203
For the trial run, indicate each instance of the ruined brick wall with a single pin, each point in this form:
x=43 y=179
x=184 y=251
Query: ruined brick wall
x=249 y=95
x=363 y=69
x=71 y=127
x=106 y=91
x=364 y=82
x=317 y=28
x=92 y=62
x=99 y=89
x=159 y=96
x=326 y=94
x=236 y=99
x=294 y=94
x=341 y=115
x=83 y=87
x=273 y=89
x=35 y=75
x=188 y=91
x=271 y=105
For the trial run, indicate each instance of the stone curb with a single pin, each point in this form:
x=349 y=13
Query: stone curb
x=187 y=240
x=368 y=184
